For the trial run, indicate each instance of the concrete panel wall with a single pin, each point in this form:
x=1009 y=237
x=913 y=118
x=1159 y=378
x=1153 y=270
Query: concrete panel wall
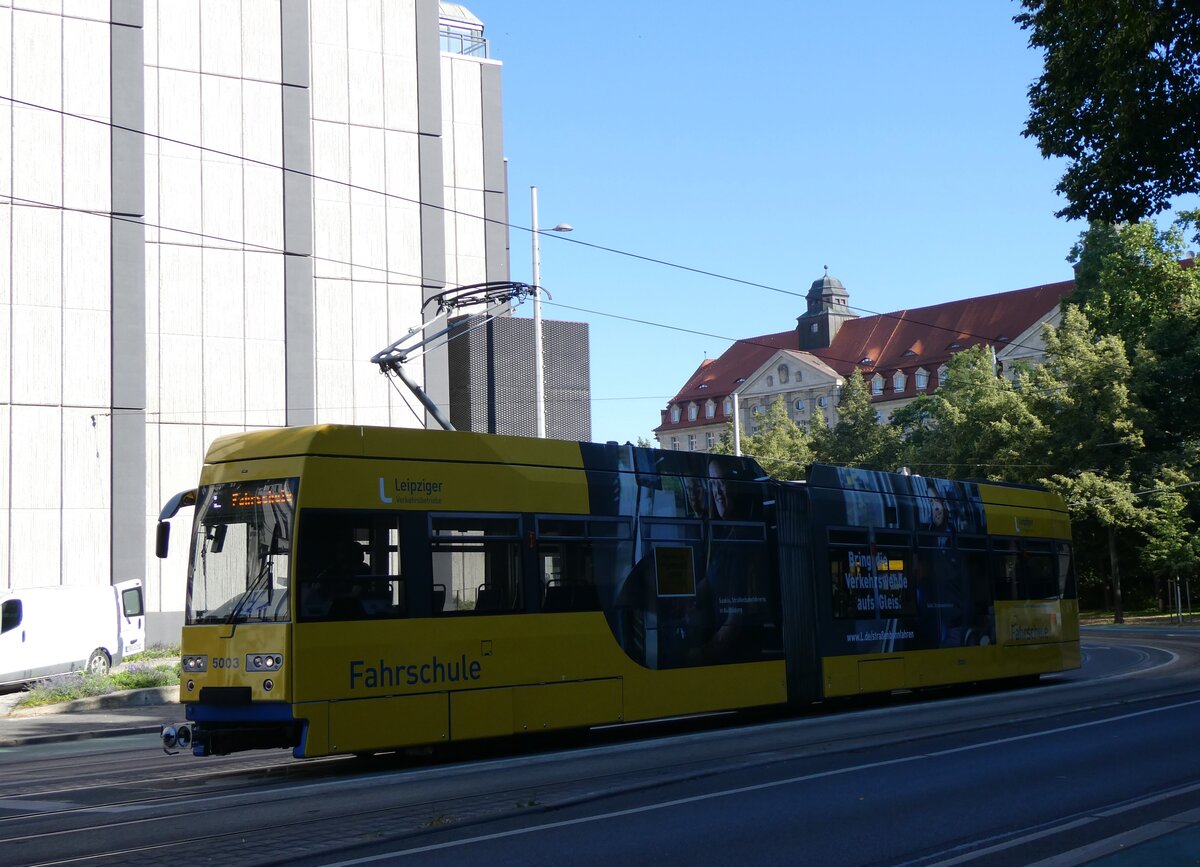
x=278 y=223
x=216 y=313
x=368 y=255
x=55 y=295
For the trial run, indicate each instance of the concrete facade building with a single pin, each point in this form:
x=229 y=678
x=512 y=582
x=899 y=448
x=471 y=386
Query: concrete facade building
x=212 y=214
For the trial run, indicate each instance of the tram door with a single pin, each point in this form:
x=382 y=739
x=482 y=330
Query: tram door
x=798 y=594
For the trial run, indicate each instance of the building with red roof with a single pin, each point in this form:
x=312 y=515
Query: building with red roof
x=900 y=354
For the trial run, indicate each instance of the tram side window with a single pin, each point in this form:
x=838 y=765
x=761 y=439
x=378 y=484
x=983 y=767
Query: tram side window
x=849 y=562
x=1005 y=576
x=577 y=558
x=349 y=566
x=895 y=592
x=1066 y=570
x=476 y=564
x=973 y=550
x=1040 y=570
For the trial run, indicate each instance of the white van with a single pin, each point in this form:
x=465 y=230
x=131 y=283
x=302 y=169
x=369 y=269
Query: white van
x=54 y=630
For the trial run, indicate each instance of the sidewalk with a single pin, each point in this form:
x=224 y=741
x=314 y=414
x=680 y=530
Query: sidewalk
x=138 y=711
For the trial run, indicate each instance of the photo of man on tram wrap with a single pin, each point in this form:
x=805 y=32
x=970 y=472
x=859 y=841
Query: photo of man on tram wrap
x=733 y=602
x=947 y=616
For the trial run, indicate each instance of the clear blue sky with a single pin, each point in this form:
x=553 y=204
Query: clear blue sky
x=762 y=142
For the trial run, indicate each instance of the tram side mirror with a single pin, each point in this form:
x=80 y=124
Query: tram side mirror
x=162 y=539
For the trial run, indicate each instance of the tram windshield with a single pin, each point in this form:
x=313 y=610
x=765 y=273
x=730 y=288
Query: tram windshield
x=241 y=552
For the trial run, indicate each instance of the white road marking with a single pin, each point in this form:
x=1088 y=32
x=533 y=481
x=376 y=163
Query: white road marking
x=758 y=787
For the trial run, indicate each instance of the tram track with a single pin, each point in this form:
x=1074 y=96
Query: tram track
x=267 y=804
x=408 y=817
x=104 y=778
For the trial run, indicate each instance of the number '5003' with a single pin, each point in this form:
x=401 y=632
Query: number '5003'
x=225 y=662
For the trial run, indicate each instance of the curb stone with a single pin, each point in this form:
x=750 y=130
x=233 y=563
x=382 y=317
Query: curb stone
x=64 y=737
x=157 y=695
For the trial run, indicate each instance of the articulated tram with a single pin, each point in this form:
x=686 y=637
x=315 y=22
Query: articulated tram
x=357 y=589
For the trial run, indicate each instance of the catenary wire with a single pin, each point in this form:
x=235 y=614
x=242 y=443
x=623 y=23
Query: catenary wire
x=407 y=403
x=509 y=225
x=265 y=248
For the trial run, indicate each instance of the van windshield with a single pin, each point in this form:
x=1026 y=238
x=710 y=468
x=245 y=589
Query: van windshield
x=241 y=551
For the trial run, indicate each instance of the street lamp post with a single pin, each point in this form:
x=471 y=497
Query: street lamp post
x=539 y=377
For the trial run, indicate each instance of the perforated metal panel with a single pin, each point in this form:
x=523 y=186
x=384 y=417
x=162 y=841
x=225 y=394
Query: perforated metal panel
x=492 y=377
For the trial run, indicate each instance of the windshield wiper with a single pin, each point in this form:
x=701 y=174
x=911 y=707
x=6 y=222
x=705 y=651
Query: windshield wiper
x=265 y=571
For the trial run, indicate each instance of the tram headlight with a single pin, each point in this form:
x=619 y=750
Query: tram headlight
x=193 y=664
x=264 y=661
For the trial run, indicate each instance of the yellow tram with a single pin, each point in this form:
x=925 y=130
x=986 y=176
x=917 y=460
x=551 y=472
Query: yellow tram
x=356 y=589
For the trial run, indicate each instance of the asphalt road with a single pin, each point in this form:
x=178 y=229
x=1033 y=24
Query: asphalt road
x=1094 y=766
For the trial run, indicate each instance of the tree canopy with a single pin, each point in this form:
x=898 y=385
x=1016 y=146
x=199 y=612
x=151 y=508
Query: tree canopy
x=1119 y=98
x=1110 y=419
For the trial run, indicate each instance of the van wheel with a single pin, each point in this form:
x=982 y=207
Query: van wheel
x=99 y=662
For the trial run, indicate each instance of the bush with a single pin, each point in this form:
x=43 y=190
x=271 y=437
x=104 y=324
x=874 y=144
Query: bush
x=82 y=684
x=139 y=675
x=68 y=687
x=155 y=651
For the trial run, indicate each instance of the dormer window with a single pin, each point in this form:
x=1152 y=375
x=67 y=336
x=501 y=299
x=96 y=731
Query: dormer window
x=922 y=376
x=899 y=380
x=954 y=345
x=675 y=414
x=783 y=374
x=739 y=380
x=702 y=385
x=877 y=384
x=693 y=411
x=710 y=408
x=908 y=353
x=866 y=359
x=727 y=406
x=813 y=328
x=942 y=371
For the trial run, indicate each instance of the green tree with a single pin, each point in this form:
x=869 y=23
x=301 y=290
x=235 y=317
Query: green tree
x=976 y=425
x=1119 y=98
x=1128 y=277
x=1083 y=398
x=782 y=447
x=1095 y=440
x=1167 y=384
x=1171 y=548
x=856 y=439
x=1100 y=507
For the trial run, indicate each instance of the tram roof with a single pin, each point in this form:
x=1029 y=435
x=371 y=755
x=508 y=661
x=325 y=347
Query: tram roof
x=360 y=441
